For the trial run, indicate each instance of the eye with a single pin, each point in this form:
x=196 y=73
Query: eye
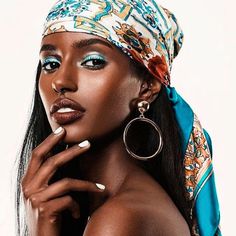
x=94 y=62
x=50 y=64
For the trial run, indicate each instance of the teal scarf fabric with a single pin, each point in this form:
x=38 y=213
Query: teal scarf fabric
x=203 y=193
x=151 y=35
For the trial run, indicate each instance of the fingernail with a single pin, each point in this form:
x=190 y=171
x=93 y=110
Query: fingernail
x=100 y=186
x=58 y=130
x=84 y=144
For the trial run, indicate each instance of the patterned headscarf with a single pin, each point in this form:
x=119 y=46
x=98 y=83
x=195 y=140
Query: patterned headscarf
x=144 y=30
x=150 y=34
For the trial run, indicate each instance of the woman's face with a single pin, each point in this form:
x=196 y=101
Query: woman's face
x=88 y=70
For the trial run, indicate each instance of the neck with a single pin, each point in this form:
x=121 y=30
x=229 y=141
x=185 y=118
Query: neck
x=108 y=163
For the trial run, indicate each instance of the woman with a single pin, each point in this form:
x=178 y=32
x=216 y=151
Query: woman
x=127 y=156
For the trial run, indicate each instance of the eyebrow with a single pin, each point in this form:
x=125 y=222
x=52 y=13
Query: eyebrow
x=48 y=47
x=87 y=42
x=78 y=44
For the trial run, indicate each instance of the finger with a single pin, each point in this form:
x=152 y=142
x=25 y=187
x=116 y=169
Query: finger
x=50 y=166
x=64 y=186
x=53 y=208
x=40 y=152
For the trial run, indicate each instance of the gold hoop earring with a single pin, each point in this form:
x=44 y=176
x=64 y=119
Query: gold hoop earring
x=143 y=106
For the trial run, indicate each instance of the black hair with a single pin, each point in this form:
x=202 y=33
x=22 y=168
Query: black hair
x=167 y=168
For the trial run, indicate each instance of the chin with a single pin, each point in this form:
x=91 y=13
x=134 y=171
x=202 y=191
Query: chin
x=75 y=134
x=76 y=131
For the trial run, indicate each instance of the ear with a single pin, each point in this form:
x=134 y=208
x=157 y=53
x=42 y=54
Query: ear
x=149 y=90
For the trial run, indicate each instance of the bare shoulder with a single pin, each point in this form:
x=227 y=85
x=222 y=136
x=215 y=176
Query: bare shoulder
x=137 y=213
x=114 y=219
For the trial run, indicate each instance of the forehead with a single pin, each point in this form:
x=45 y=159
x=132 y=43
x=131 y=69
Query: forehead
x=74 y=39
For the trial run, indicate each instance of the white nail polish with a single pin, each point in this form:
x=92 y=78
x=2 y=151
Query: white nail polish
x=100 y=186
x=58 y=130
x=83 y=144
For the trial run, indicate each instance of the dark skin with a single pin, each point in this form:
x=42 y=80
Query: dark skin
x=133 y=203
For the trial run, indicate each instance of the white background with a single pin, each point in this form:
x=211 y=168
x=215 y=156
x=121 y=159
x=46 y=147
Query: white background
x=203 y=73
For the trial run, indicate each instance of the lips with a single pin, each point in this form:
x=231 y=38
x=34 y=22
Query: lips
x=65 y=111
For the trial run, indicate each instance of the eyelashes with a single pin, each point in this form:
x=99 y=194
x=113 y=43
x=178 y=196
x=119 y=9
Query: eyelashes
x=50 y=64
x=91 y=62
x=94 y=61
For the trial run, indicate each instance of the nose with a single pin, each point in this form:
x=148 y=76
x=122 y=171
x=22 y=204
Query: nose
x=65 y=80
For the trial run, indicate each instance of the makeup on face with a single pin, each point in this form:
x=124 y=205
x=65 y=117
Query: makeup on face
x=64 y=111
x=50 y=63
x=85 y=54
x=93 y=61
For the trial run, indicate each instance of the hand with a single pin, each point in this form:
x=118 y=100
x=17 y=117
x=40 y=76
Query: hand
x=44 y=203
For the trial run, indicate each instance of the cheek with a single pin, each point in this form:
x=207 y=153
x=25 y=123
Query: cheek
x=111 y=106
x=45 y=93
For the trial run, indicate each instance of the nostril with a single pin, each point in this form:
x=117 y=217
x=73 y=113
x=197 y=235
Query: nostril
x=60 y=90
x=63 y=90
